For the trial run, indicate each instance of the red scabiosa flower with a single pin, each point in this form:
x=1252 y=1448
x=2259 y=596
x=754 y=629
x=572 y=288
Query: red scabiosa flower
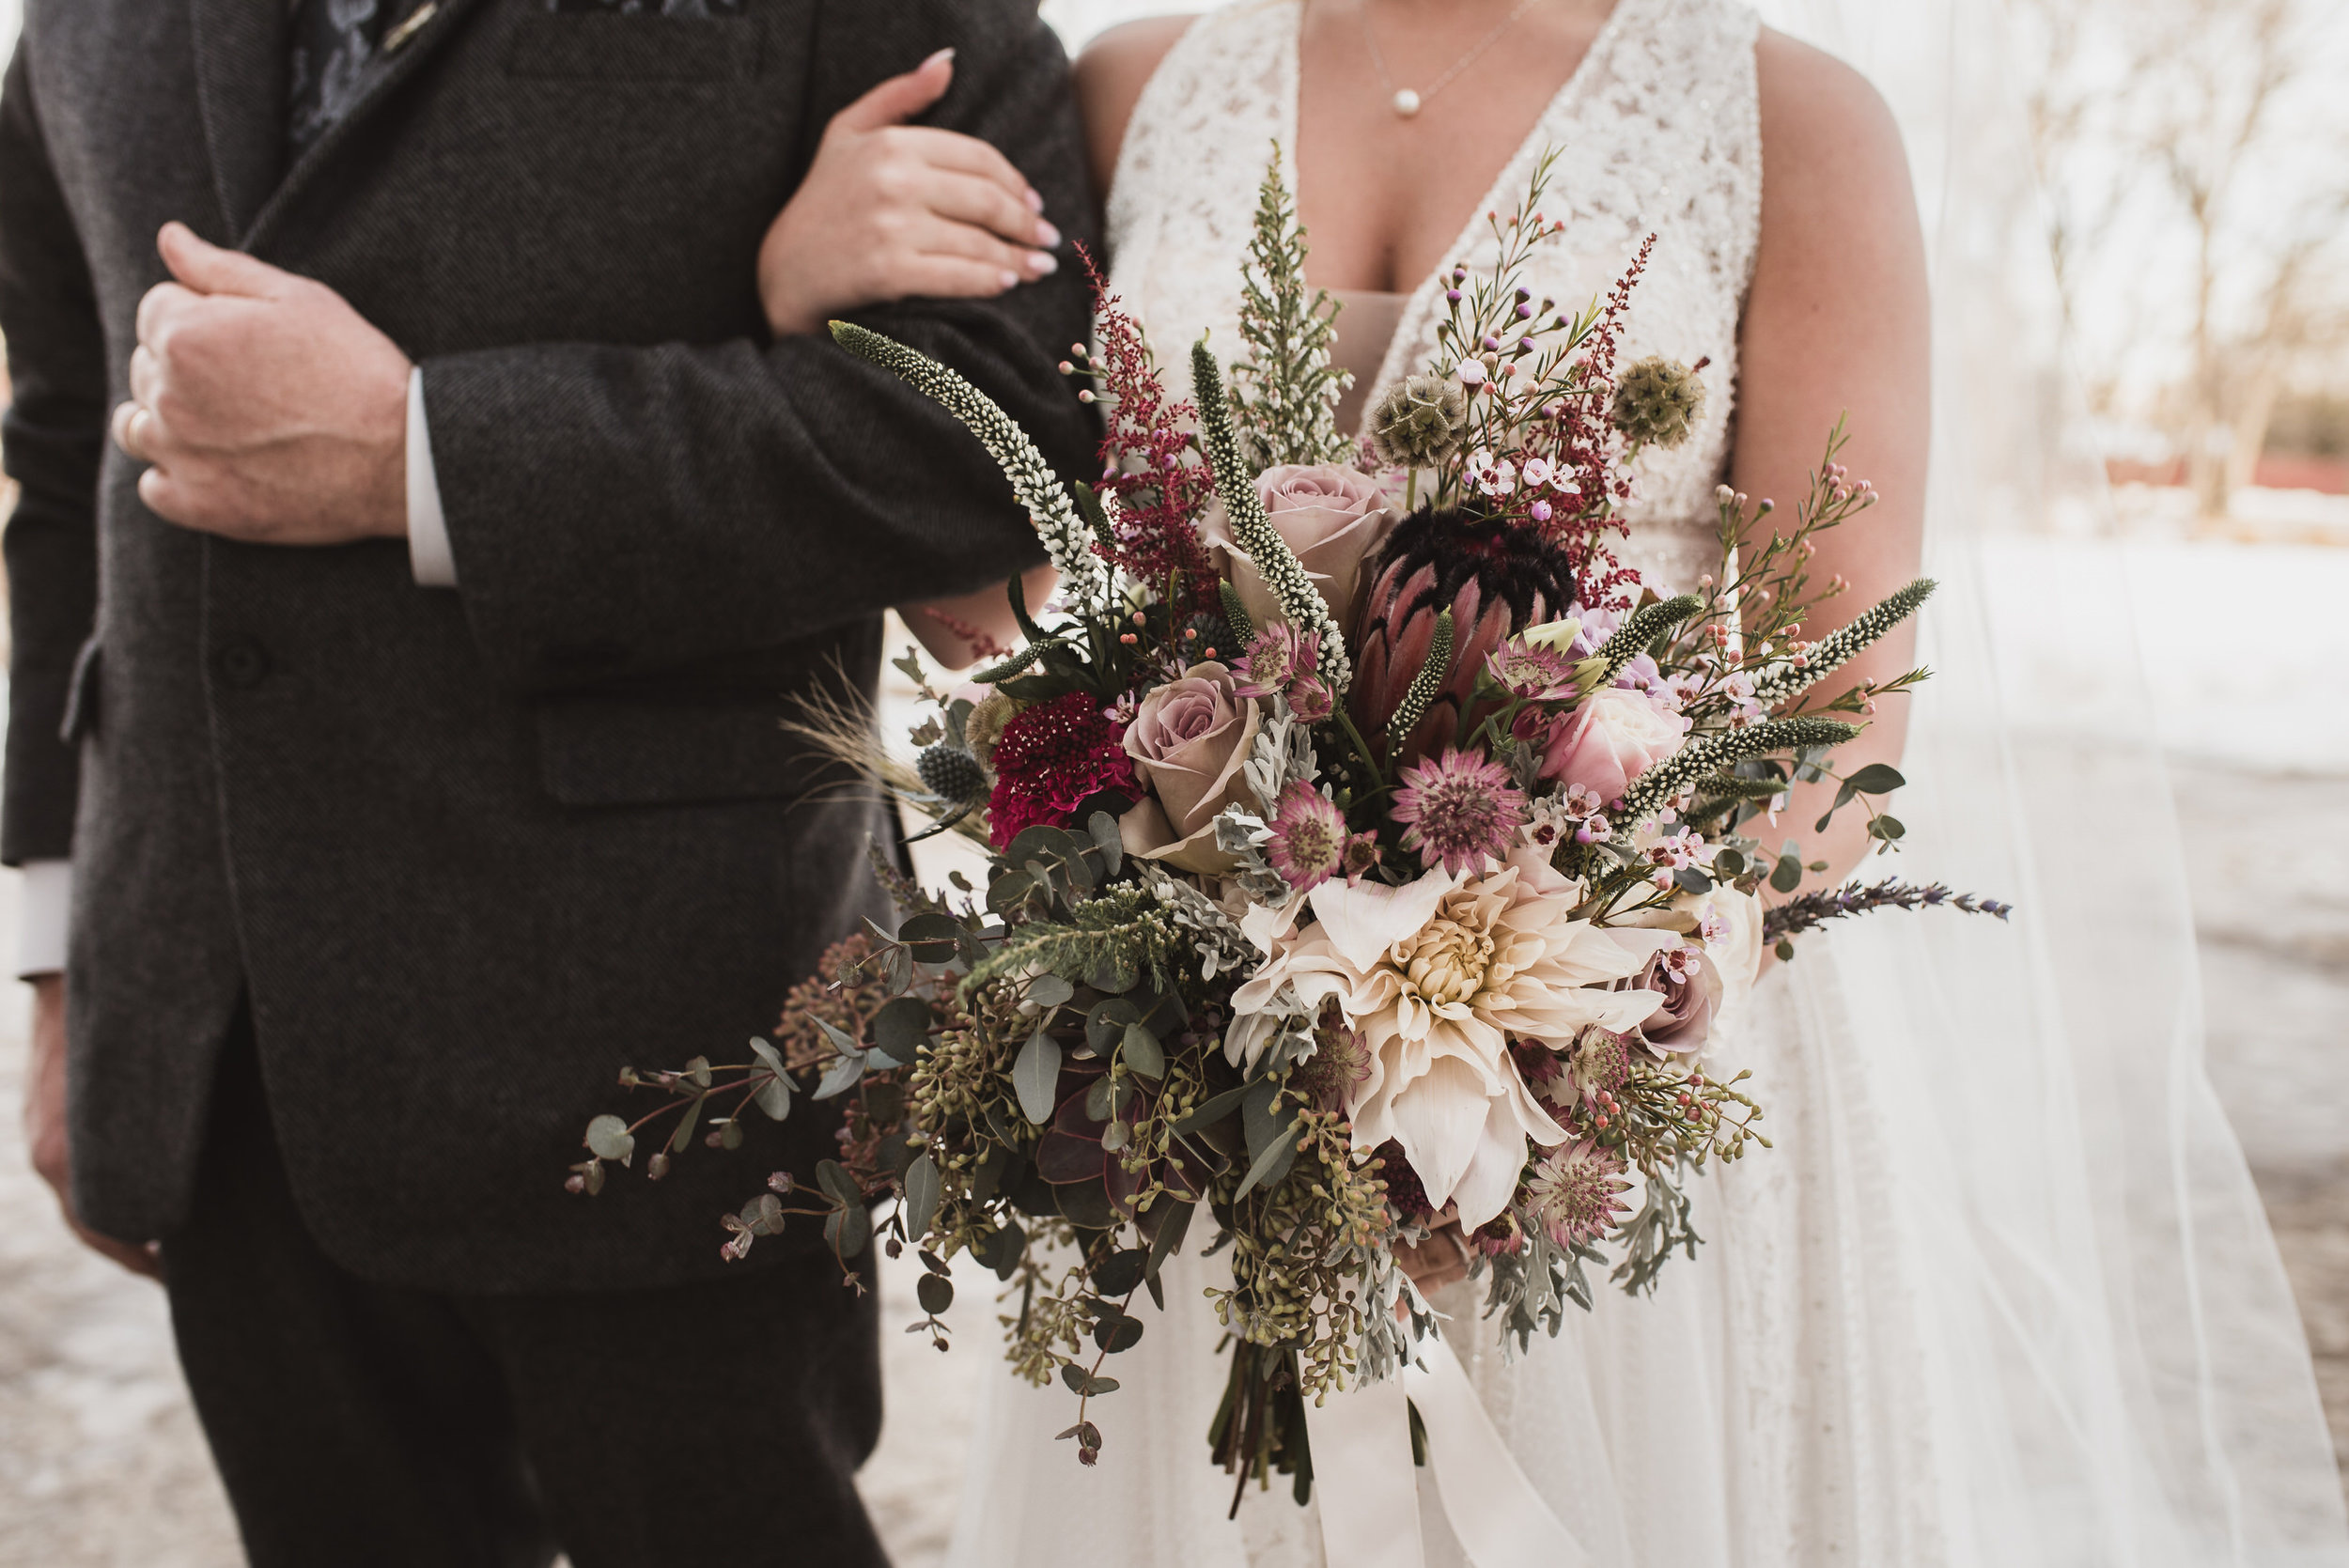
x=1052 y=758
x=1575 y=1192
x=1458 y=811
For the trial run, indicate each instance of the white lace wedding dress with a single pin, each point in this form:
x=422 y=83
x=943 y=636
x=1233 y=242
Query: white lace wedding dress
x=1812 y=1388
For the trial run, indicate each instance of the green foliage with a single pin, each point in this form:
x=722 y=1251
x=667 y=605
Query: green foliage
x=1284 y=394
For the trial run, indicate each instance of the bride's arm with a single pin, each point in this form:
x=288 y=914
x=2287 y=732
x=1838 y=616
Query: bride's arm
x=1838 y=325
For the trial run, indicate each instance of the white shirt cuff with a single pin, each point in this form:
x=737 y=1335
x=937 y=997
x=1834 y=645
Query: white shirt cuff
x=429 y=555
x=44 y=905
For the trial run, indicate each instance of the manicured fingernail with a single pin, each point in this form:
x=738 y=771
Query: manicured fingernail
x=1035 y=202
x=946 y=54
x=1047 y=236
x=1011 y=279
x=1043 y=263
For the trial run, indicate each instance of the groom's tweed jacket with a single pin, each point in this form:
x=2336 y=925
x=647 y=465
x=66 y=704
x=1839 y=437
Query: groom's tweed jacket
x=469 y=852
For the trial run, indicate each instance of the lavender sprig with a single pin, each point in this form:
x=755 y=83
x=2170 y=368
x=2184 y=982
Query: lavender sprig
x=1801 y=913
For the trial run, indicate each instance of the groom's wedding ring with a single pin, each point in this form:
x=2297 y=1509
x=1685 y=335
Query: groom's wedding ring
x=131 y=423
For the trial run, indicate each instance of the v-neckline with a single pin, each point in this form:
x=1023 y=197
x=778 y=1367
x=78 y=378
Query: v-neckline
x=1512 y=172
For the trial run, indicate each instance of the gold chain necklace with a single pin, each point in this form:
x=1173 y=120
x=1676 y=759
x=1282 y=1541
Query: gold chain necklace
x=1405 y=102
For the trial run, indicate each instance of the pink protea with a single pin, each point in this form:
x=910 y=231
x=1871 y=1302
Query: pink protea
x=1458 y=812
x=1575 y=1192
x=1309 y=840
x=1496 y=576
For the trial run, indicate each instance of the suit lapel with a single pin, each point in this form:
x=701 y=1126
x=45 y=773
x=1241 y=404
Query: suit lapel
x=241 y=93
x=413 y=41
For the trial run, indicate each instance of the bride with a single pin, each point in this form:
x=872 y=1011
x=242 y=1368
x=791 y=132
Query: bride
x=1993 y=1297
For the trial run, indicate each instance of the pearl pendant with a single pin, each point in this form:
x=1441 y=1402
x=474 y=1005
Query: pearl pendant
x=1406 y=102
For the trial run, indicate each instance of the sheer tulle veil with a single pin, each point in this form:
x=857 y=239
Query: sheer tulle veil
x=2132 y=1384
x=2113 y=1370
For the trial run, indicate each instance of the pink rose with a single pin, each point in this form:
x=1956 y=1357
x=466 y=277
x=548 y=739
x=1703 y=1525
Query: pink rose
x=1615 y=736
x=1188 y=740
x=1332 y=517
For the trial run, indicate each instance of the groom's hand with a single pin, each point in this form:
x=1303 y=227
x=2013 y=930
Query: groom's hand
x=266 y=408
x=891 y=211
x=44 y=1125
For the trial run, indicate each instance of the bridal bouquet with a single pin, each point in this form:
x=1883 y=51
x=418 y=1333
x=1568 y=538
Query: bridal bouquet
x=1368 y=852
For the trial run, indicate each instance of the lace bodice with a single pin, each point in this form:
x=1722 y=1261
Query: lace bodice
x=1660 y=134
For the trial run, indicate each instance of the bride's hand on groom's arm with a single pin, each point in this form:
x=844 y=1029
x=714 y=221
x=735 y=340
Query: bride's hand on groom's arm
x=892 y=211
x=45 y=1126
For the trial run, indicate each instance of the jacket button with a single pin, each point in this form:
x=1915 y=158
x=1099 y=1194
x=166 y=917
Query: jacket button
x=242 y=664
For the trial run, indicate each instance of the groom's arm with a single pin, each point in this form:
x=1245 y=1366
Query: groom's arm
x=612 y=511
x=54 y=434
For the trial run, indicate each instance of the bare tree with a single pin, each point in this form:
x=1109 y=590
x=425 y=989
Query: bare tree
x=2218 y=110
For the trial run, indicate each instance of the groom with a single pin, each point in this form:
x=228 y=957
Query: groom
x=403 y=685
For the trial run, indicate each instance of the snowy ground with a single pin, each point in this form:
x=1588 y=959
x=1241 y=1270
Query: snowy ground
x=93 y=1416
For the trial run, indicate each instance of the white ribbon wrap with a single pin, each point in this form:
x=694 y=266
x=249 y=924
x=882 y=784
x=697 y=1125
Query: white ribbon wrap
x=1369 y=1491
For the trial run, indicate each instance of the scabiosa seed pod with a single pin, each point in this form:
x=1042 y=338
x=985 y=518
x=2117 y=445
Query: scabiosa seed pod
x=1419 y=423
x=951 y=773
x=1656 y=402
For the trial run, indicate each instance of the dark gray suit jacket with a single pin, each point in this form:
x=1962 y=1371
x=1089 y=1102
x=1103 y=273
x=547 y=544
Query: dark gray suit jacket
x=469 y=852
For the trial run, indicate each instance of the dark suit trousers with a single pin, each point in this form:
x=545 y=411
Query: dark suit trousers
x=357 y=1424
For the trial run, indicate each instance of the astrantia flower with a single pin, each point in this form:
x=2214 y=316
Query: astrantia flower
x=1284 y=662
x=1437 y=976
x=1307 y=844
x=1531 y=672
x=1049 y=759
x=1575 y=1193
x=1458 y=812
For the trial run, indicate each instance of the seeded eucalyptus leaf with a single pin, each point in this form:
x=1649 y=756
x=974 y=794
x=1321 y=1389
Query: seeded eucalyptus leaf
x=838 y=1184
x=1049 y=991
x=1214 y=1110
x=1141 y=1054
x=1007 y=891
x=608 y=1137
x=1120 y=1272
x=897 y=969
x=1728 y=862
x=843 y=1075
x=698 y=1071
x=840 y=1042
x=1074 y=1376
x=922 y=1193
x=901 y=1027
x=1097 y=1104
x=1172 y=1229
x=684 y=1134
x=1257 y=1118
x=1689 y=878
x=1107 y=1021
x=1115 y=1334
x=774 y=1096
x=931 y=937
x=856 y=1229
x=1103 y=827
x=1886 y=828
x=1272 y=1162
x=1034 y=1074
x=729 y=1134
x=1877 y=778
x=1788 y=875
x=764 y=1215
x=935 y=1292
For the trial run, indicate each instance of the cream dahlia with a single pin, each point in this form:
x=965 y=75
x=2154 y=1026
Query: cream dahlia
x=1438 y=976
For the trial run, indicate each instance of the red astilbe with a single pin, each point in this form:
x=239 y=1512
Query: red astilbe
x=1149 y=457
x=1052 y=758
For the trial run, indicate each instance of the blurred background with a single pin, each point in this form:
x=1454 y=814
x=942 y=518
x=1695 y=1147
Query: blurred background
x=2193 y=176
